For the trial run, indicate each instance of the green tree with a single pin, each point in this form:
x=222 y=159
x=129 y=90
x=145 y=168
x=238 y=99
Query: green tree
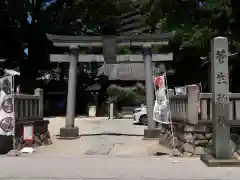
x=195 y=22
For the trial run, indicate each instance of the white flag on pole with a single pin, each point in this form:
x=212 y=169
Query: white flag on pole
x=7 y=121
x=161 y=106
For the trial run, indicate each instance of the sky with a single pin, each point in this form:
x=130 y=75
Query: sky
x=29 y=18
x=49 y=2
x=46 y=4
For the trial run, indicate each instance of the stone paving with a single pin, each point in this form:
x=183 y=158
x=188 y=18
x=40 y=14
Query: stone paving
x=108 y=168
x=100 y=136
x=103 y=154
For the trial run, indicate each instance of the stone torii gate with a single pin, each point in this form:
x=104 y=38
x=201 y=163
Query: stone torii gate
x=109 y=44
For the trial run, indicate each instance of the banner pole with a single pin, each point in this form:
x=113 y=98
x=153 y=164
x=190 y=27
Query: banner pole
x=13 y=103
x=14 y=151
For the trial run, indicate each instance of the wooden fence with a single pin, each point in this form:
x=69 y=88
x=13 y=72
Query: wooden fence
x=196 y=108
x=29 y=107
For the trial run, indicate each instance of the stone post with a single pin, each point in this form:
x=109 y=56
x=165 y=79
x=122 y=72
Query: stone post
x=220 y=98
x=170 y=92
x=111 y=111
x=192 y=91
x=70 y=131
x=39 y=92
x=221 y=151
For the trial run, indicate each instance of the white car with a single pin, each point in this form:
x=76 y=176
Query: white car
x=140 y=115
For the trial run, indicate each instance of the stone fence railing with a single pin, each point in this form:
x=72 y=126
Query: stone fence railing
x=196 y=108
x=206 y=108
x=191 y=115
x=28 y=106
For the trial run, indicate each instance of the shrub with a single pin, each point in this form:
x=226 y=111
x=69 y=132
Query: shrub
x=115 y=93
x=126 y=96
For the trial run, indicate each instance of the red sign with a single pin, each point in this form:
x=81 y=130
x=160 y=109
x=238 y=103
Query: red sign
x=159 y=81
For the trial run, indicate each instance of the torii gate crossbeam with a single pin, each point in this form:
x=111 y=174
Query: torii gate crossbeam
x=109 y=44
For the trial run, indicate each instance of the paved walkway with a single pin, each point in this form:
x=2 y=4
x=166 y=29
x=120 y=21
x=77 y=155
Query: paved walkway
x=100 y=155
x=100 y=136
x=110 y=168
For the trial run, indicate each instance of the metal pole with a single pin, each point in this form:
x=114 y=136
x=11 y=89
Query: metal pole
x=72 y=82
x=147 y=56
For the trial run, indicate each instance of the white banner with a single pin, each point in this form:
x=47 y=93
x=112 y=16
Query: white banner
x=7 y=121
x=161 y=105
x=161 y=112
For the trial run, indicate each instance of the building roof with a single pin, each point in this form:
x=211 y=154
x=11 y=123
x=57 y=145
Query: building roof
x=12 y=72
x=94 y=87
x=127 y=72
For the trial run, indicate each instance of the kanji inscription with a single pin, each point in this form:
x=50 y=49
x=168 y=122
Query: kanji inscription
x=221 y=78
x=222 y=98
x=221 y=121
x=221 y=55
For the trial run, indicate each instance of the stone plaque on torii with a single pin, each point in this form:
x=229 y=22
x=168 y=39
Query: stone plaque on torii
x=109 y=44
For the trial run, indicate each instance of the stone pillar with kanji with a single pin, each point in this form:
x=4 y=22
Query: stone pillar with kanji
x=220 y=98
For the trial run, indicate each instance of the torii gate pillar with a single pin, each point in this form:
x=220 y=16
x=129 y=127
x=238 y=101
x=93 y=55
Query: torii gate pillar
x=147 y=57
x=71 y=131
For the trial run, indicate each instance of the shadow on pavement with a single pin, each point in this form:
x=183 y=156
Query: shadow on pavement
x=160 y=154
x=110 y=134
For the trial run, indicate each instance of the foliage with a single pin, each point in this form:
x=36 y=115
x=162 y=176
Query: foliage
x=115 y=93
x=140 y=92
x=139 y=88
x=195 y=22
x=126 y=96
